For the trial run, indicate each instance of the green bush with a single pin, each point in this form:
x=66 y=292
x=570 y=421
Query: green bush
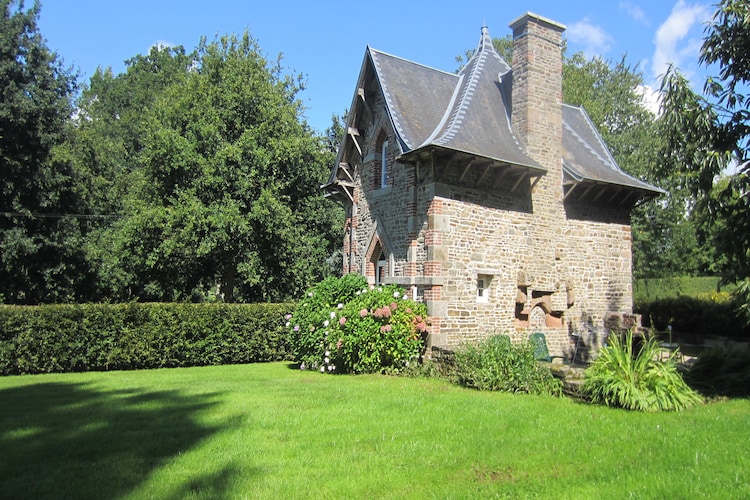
x=344 y=327
x=637 y=379
x=707 y=314
x=89 y=337
x=645 y=290
x=496 y=364
x=722 y=371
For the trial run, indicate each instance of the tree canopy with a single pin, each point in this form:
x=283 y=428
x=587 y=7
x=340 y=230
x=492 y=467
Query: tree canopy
x=189 y=176
x=706 y=133
x=40 y=257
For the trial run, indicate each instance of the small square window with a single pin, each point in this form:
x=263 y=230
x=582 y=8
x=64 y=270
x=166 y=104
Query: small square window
x=483 y=287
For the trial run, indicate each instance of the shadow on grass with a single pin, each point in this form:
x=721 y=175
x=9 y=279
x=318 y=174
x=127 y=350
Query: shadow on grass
x=70 y=441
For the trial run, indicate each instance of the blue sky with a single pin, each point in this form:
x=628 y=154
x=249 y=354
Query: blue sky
x=326 y=40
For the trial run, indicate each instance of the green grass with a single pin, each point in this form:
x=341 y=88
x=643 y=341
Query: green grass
x=267 y=431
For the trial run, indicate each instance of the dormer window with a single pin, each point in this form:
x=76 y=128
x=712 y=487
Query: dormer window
x=384 y=164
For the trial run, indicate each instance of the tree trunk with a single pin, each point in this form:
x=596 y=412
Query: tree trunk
x=227 y=281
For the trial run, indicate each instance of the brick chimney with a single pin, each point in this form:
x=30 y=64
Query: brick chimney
x=536 y=117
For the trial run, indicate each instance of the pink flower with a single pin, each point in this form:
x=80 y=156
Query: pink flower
x=385 y=328
x=363 y=313
x=342 y=321
x=394 y=306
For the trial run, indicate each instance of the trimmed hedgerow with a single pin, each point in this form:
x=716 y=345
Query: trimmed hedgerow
x=707 y=314
x=91 y=337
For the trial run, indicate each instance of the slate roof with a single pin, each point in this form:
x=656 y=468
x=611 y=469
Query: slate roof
x=470 y=112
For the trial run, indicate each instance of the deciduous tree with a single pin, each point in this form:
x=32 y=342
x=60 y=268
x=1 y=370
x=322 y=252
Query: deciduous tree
x=40 y=233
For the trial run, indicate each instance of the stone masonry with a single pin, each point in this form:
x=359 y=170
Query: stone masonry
x=489 y=256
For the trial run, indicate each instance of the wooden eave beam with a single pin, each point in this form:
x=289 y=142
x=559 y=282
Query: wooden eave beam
x=354 y=133
x=365 y=104
x=346 y=168
x=518 y=182
x=466 y=169
x=484 y=173
x=501 y=176
x=573 y=187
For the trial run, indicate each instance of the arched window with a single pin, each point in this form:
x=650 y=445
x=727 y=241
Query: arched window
x=380 y=174
x=384 y=164
x=381 y=267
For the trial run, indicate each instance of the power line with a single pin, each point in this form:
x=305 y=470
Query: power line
x=61 y=216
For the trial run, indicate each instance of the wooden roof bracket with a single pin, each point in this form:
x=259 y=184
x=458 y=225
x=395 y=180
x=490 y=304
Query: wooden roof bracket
x=519 y=181
x=570 y=191
x=346 y=168
x=365 y=104
x=354 y=133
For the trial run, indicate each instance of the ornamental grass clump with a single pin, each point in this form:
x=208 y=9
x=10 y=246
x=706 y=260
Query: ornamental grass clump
x=637 y=379
x=496 y=364
x=342 y=326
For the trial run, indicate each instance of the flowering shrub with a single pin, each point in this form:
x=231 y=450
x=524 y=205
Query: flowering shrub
x=342 y=326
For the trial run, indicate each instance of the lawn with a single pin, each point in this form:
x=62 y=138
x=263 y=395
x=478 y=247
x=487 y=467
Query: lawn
x=269 y=431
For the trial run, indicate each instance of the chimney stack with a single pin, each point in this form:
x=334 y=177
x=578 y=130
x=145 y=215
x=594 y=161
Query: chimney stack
x=537 y=90
x=536 y=117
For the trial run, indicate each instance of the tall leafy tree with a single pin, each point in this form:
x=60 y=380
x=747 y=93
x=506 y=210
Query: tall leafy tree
x=230 y=178
x=107 y=137
x=40 y=233
x=706 y=131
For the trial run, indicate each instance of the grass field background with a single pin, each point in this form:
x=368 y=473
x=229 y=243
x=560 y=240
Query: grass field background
x=270 y=431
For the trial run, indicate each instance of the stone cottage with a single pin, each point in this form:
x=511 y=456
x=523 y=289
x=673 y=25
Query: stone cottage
x=486 y=196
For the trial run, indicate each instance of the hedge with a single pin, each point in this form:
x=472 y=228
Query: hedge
x=706 y=315
x=94 y=337
x=649 y=289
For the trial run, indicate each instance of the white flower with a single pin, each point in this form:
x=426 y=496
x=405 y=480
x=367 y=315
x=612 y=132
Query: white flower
x=340 y=306
x=309 y=294
x=330 y=368
x=322 y=369
x=396 y=294
x=333 y=314
x=325 y=323
x=359 y=292
x=328 y=353
x=288 y=324
x=327 y=360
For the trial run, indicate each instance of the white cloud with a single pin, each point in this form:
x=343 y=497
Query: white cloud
x=593 y=39
x=651 y=99
x=161 y=45
x=634 y=12
x=678 y=39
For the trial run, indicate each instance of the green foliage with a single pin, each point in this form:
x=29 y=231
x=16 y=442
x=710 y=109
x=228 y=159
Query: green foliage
x=637 y=379
x=496 y=364
x=344 y=327
x=234 y=174
x=648 y=289
x=41 y=251
x=90 y=337
x=722 y=371
x=706 y=133
x=707 y=314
